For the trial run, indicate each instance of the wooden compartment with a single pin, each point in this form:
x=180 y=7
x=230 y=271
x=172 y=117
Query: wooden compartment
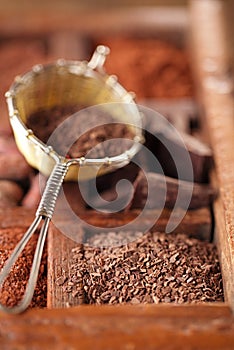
x=148 y=326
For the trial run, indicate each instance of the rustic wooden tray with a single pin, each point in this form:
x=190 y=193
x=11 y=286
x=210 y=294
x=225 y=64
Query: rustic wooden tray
x=146 y=326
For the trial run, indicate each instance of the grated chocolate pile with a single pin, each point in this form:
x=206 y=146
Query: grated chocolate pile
x=153 y=268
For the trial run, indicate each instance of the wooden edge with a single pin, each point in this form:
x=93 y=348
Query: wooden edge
x=212 y=60
x=149 y=19
x=16 y=217
x=225 y=253
x=197 y=223
x=128 y=327
x=59 y=251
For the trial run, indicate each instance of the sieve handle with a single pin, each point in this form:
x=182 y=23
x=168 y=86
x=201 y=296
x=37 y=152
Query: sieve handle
x=45 y=211
x=48 y=201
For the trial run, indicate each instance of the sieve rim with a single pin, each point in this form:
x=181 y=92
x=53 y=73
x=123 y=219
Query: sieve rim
x=83 y=69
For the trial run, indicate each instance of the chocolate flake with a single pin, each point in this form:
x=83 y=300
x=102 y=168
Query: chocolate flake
x=152 y=268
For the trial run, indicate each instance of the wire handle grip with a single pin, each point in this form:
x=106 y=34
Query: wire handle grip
x=44 y=212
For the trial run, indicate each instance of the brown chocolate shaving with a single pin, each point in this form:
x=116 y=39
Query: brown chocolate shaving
x=152 y=268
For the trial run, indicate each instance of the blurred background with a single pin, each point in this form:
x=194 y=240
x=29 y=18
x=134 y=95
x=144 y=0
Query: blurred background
x=33 y=31
x=20 y=8
x=88 y=4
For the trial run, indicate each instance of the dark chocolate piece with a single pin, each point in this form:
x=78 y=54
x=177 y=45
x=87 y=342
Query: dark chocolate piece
x=159 y=190
x=175 y=151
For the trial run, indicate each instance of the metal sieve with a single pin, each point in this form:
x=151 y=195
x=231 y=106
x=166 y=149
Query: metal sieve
x=58 y=84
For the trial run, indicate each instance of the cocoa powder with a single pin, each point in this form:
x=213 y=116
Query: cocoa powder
x=107 y=138
x=14 y=286
x=150 y=67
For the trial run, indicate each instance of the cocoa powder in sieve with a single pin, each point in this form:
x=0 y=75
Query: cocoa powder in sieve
x=81 y=135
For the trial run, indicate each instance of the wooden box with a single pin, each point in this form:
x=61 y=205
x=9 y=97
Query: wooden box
x=164 y=326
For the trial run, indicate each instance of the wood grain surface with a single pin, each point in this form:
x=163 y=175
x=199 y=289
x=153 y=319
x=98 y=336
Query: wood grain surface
x=212 y=58
x=123 y=328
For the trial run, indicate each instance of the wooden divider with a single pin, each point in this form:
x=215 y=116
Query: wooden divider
x=212 y=62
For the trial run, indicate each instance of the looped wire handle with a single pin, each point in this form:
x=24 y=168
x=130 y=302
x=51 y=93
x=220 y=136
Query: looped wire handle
x=45 y=211
x=48 y=201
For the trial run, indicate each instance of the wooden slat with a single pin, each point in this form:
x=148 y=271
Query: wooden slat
x=68 y=45
x=196 y=223
x=16 y=217
x=123 y=328
x=212 y=63
x=146 y=20
x=59 y=251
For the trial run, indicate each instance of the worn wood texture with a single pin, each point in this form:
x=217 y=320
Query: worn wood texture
x=59 y=250
x=195 y=223
x=118 y=20
x=16 y=217
x=212 y=63
x=123 y=328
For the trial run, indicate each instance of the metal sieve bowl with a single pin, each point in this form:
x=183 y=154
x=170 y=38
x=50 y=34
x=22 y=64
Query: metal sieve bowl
x=68 y=83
